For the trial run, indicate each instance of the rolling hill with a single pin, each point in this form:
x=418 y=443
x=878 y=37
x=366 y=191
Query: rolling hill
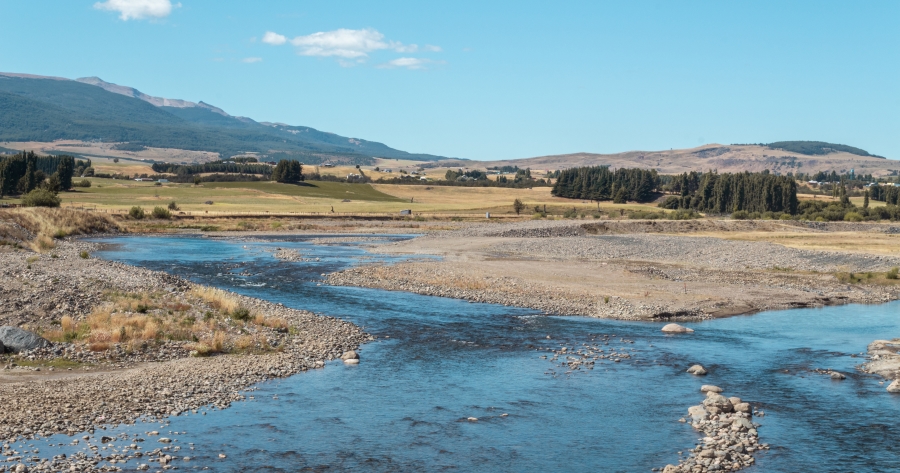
x=46 y=109
x=781 y=157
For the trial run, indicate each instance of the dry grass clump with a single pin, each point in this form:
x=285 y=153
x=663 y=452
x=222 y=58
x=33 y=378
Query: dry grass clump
x=217 y=298
x=48 y=223
x=272 y=322
x=210 y=321
x=210 y=345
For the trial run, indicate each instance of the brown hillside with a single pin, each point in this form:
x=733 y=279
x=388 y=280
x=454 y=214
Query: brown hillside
x=724 y=158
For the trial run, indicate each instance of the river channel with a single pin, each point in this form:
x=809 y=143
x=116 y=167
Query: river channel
x=436 y=362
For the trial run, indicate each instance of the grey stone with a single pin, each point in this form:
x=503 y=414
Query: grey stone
x=15 y=339
x=708 y=388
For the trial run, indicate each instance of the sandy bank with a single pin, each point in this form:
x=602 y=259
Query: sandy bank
x=572 y=268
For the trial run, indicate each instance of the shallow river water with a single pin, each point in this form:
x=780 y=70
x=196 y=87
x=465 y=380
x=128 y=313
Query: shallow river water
x=439 y=361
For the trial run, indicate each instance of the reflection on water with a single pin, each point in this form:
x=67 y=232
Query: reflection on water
x=439 y=361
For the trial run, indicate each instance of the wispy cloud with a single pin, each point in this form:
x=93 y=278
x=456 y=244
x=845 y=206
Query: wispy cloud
x=251 y=60
x=433 y=48
x=138 y=9
x=349 y=46
x=407 y=63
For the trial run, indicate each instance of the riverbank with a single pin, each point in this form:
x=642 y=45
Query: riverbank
x=81 y=385
x=632 y=270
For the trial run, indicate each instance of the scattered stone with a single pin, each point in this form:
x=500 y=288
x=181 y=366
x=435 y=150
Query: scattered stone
x=731 y=437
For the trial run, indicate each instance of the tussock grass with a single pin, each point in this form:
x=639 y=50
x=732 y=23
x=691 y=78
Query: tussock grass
x=210 y=321
x=217 y=298
x=45 y=224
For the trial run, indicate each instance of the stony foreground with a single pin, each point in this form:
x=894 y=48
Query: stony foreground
x=573 y=268
x=39 y=289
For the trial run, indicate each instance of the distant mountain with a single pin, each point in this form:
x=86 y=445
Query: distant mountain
x=39 y=108
x=781 y=157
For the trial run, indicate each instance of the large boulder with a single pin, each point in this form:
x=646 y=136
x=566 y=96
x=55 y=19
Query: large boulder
x=15 y=340
x=718 y=401
x=675 y=328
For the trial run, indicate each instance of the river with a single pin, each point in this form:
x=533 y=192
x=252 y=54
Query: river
x=438 y=361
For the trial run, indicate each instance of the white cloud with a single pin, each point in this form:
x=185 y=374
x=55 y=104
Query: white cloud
x=251 y=60
x=433 y=48
x=273 y=38
x=138 y=9
x=343 y=43
x=407 y=62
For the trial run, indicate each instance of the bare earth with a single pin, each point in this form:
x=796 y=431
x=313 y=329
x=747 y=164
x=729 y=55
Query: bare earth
x=591 y=269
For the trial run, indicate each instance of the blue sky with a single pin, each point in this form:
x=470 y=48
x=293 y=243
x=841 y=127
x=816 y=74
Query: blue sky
x=495 y=80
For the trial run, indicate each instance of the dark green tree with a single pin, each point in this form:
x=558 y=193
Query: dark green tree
x=65 y=170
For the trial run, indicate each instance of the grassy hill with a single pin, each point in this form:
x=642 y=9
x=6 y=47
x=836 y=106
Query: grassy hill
x=782 y=157
x=48 y=109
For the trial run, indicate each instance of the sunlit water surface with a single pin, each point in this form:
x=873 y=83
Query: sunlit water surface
x=439 y=361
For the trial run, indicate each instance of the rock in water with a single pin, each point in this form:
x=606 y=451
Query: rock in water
x=697 y=370
x=675 y=328
x=350 y=355
x=837 y=376
x=708 y=388
x=894 y=387
x=15 y=339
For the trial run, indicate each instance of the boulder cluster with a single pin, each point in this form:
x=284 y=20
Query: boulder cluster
x=731 y=435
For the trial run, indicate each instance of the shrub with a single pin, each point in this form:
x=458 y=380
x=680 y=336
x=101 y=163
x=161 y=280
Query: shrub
x=173 y=206
x=894 y=273
x=136 y=213
x=853 y=217
x=40 y=198
x=83 y=254
x=82 y=183
x=161 y=212
x=740 y=215
x=241 y=313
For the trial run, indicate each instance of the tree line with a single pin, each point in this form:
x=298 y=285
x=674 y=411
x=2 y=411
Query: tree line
x=218 y=166
x=888 y=194
x=599 y=183
x=24 y=172
x=716 y=193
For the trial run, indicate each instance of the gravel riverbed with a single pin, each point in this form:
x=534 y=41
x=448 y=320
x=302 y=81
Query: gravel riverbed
x=112 y=388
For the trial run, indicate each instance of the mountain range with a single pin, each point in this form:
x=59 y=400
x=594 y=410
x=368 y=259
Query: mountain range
x=45 y=109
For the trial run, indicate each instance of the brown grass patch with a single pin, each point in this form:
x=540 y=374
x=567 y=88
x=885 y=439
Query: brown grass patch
x=216 y=298
x=46 y=224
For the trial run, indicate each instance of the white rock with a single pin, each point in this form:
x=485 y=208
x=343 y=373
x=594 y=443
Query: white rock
x=675 y=328
x=894 y=387
x=697 y=370
x=709 y=388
